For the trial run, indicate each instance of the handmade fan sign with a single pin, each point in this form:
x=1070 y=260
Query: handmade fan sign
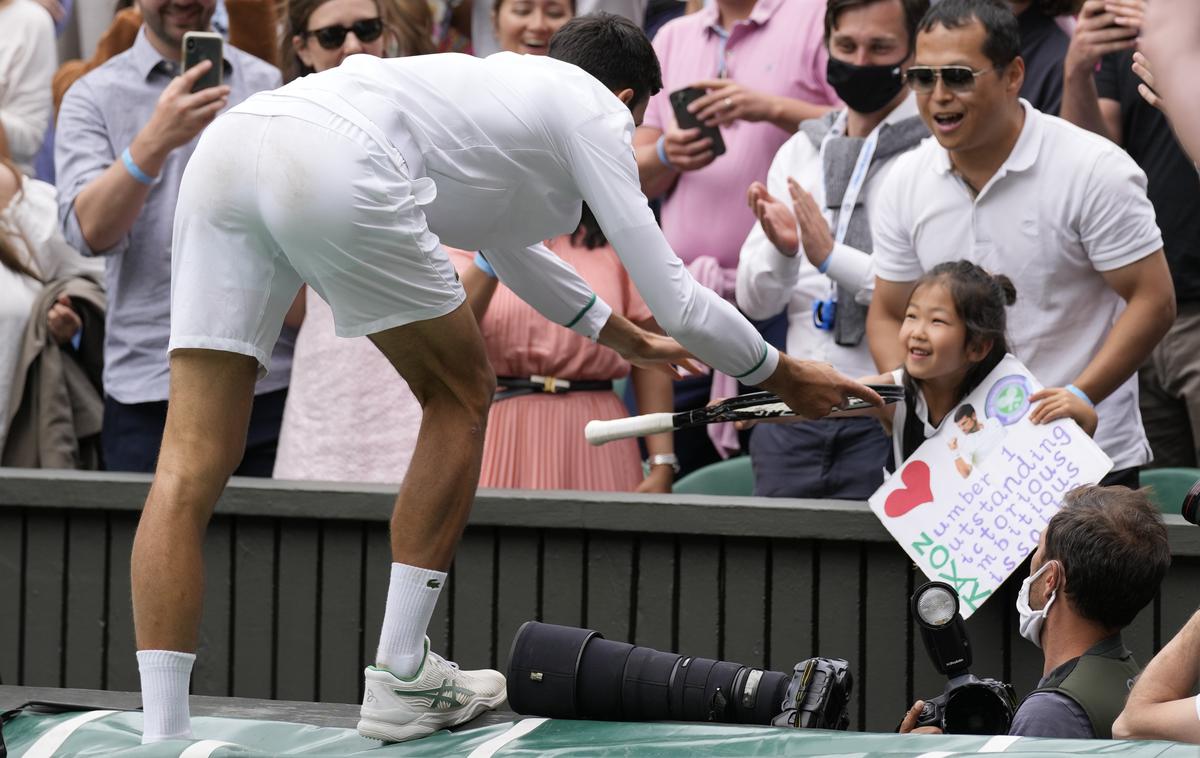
x=971 y=503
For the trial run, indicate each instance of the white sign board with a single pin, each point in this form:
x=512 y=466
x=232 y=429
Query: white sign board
x=970 y=505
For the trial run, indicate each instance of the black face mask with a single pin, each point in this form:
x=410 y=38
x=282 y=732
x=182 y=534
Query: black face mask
x=865 y=89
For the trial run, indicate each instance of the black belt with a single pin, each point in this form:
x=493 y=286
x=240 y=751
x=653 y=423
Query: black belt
x=515 y=386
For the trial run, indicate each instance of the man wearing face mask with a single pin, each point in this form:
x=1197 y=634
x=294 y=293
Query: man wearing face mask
x=810 y=250
x=1100 y=561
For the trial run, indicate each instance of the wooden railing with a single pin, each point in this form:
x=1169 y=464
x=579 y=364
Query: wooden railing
x=297 y=575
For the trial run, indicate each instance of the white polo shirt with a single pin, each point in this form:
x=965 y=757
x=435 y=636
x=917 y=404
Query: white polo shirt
x=504 y=151
x=1065 y=206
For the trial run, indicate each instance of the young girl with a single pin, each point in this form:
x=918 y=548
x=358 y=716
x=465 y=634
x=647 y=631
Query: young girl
x=953 y=335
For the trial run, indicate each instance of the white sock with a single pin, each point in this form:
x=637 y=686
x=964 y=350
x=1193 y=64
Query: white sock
x=412 y=593
x=165 y=675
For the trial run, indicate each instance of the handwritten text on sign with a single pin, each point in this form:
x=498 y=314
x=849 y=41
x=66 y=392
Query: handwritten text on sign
x=971 y=503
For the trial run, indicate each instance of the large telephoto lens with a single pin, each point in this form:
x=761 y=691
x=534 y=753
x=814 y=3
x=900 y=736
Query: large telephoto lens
x=565 y=672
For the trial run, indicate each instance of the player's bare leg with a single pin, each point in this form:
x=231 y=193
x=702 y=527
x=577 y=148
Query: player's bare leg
x=207 y=417
x=412 y=691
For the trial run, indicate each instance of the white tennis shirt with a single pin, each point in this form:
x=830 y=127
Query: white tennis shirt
x=514 y=145
x=1065 y=206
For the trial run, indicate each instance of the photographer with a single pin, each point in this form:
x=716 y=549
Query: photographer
x=1099 y=562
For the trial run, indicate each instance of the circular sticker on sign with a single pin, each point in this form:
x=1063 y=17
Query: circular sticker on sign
x=1008 y=399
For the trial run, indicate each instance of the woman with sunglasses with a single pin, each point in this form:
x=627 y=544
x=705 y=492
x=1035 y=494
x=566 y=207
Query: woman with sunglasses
x=331 y=429
x=535 y=428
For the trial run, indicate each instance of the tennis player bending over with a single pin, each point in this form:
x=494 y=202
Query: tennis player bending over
x=349 y=181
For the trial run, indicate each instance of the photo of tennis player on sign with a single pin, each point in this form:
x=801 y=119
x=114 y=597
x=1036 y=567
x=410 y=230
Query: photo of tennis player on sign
x=977 y=441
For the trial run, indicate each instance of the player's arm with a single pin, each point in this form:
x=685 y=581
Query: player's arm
x=1161 y=705
x=1171 y=39
x=111 y=196
x=700 y=319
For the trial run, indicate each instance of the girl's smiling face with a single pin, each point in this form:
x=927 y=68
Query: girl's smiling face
x=525 y=26
x=935 y=338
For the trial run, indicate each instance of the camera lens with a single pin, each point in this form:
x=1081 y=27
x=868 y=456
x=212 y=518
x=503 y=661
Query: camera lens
x=976 y=709
x=564 y=672
x=191 y=44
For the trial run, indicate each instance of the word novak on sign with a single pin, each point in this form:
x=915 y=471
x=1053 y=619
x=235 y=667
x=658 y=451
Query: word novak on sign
x=970 y=505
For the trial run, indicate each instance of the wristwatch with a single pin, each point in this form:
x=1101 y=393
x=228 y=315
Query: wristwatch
x=665 y=459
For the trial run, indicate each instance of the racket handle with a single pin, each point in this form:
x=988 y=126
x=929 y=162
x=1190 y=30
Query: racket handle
x=598 y=432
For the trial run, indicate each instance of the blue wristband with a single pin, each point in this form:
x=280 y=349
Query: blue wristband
x=134 y=170
x=825 y=263
x=660 y=147
x=482 y=264
x=1080 y=394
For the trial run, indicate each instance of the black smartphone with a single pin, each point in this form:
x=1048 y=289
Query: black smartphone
x=680 y=100
x=204 y=46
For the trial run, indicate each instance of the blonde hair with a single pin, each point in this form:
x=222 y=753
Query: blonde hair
x=10 y=254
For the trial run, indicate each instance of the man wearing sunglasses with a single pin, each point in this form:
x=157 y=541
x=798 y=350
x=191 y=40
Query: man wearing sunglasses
x=1061 y=211
x=125 y=132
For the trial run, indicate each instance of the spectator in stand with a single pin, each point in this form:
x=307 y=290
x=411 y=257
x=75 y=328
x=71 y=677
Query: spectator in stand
x=1102 y=96
x=1063 y=213
x=332 y=430
x=1171 y=39
x=1043 y=47
x=535 y=427
x=792 y=258
x=32 y=254
x=1099 y=562
x=27 y=62
x=485 y=31
x=763 y=64
x=1162 y=704
x=125 y=133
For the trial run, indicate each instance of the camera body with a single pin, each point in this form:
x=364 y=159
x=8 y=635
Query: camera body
x=970 y=705
x=817 y=695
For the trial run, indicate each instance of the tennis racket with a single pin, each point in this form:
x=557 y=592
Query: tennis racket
x=749 y=407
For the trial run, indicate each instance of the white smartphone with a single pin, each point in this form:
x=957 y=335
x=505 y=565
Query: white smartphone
x=201 y=46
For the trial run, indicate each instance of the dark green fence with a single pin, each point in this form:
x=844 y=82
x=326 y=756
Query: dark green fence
x=297 y=574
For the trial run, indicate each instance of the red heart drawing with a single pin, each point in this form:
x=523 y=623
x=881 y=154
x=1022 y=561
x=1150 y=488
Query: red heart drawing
x=914 y=492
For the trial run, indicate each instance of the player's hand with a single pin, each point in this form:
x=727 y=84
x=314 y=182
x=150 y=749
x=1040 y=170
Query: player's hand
x=953 y=443
x=687 y=149
x=814 y=390
x=1054 y=403
x=776 y=219
x=182 y=114
x=659 y=480
x=909 y=724
x=727 y=101
x=1141 y=67
x=1098 y=33
x=814 y=229
x=62 y=321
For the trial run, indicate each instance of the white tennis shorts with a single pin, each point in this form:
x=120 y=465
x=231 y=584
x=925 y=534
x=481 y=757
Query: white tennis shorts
x=269 y=202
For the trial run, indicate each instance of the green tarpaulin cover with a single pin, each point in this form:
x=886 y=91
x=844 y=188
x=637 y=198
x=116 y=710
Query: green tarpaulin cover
x=110 y=733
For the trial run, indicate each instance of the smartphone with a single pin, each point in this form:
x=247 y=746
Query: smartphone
x=204 y=46
x=680 y=99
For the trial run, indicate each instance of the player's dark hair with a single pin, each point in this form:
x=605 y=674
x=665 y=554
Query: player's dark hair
x=1003 y=41
x=914 y=10
x=614 y=50
x=980 y=299
x=1113 y=547
x=964 y=411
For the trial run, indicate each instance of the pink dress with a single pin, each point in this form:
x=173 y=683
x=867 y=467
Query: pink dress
x=536 y=441
x=349 y=416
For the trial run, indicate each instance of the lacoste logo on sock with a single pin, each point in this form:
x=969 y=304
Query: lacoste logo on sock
x=433 y=584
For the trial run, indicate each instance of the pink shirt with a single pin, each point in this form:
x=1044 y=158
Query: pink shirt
x=780 y=50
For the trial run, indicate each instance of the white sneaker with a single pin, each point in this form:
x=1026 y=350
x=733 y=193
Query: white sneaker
x=438 y=696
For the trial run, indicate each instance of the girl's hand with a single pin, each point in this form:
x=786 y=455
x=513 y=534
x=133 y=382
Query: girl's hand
x=1058 y=402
